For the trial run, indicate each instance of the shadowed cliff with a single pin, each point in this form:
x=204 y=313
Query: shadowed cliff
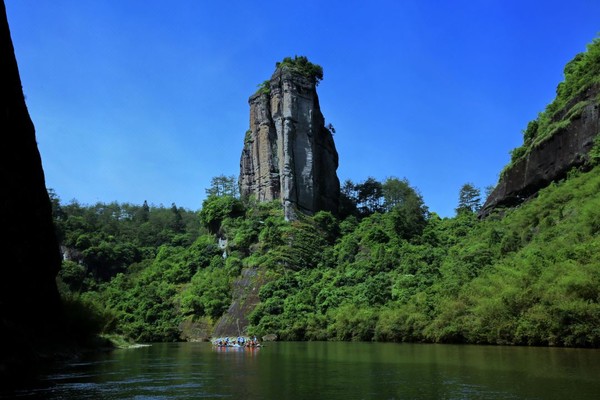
x=29 y=300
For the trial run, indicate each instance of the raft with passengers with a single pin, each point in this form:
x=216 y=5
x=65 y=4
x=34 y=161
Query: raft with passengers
x=239 y=342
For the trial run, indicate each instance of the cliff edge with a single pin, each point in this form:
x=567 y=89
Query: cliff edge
x=565 y=136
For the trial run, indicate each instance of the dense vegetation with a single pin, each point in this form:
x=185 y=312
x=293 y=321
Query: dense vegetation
x=392 y=271
x=386 y=268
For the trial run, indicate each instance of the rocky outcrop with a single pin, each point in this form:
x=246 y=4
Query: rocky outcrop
x=29 y=300
x=244 y=300
x=288 y=152
x=550 y=161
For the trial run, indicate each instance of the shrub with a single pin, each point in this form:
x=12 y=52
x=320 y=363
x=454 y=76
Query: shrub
x=301 y=65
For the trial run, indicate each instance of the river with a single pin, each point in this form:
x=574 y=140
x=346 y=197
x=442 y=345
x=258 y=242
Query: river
x=326 y=370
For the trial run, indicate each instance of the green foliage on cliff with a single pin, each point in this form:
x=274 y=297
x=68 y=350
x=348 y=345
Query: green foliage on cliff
x=264 y=87
x=595 y=151
x=581 y=74
x=301 y=65
x=216 y=208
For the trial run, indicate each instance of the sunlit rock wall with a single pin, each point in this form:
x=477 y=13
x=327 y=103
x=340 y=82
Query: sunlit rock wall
x=288 y=153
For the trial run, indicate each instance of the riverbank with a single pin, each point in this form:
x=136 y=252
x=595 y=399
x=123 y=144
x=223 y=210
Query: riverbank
x=25 y=356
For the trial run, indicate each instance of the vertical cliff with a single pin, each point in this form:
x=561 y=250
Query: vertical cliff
x=29 y=300
x=288 y=152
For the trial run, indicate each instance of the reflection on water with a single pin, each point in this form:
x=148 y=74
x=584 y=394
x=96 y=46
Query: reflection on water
x=327 y=370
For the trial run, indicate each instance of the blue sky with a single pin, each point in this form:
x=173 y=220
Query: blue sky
x=147 y=100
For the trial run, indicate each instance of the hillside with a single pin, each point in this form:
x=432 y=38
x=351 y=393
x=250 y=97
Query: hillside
x=528 y=277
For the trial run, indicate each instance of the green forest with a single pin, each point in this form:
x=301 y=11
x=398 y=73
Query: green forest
x=385 y=268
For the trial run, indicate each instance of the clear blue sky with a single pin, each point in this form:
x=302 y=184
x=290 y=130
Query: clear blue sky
x=147 y=100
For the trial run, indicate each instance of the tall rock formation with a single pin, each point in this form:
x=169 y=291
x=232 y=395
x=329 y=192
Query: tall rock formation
x=288 y=152
x=29 y=300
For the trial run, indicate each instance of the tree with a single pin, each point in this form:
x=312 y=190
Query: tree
x=469 y=199
x=143 y=213
x=58 y=215
x=406 y=207
x=397 y=192
x=216 y=209
x=57 y=211
x=223 y=186
x=330 y=128
x=348 y=200
x=178 y=226
x=370 y=196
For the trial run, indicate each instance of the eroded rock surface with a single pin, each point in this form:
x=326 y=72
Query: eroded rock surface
x=288 y=152
x=234 y=321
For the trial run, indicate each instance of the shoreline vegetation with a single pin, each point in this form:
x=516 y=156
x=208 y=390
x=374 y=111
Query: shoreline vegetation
x=121 y=342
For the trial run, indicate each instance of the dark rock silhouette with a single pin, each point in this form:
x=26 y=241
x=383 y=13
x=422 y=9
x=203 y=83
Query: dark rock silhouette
x=30 y=306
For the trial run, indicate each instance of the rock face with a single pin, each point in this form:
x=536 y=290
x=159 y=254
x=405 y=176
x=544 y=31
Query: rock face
x=234 y=321
x=288 y=153
x=29 y=300
x=553 y=158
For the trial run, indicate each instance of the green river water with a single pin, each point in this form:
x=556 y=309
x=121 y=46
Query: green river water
x=326 y=370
